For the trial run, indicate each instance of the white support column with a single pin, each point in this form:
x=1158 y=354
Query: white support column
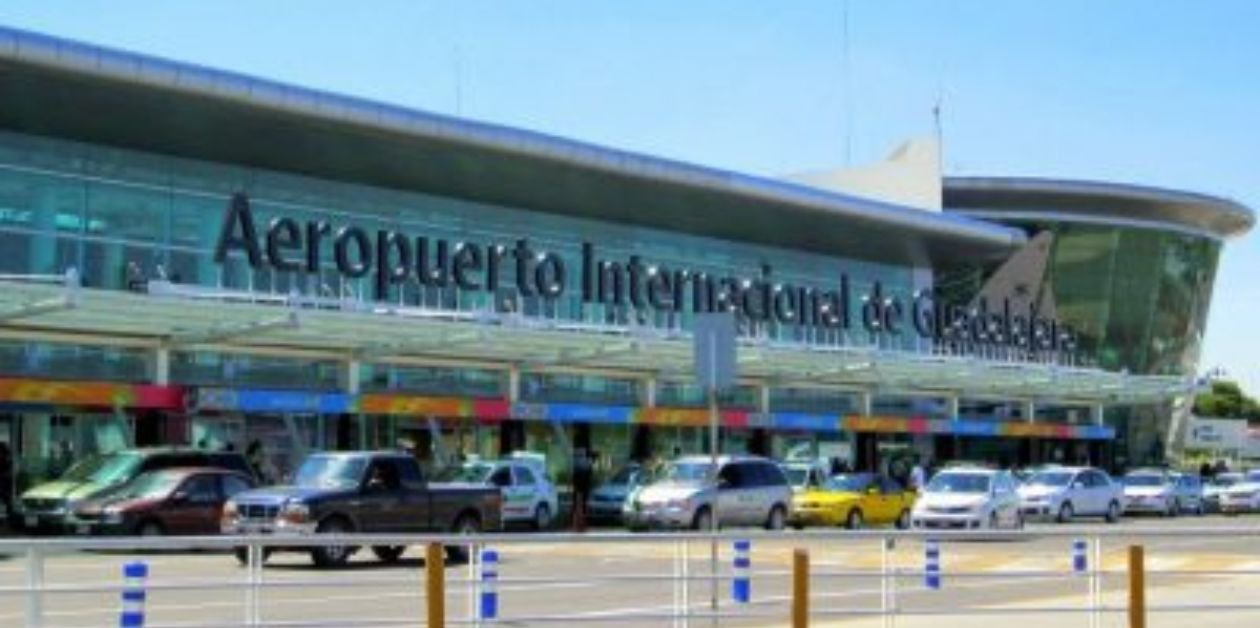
x=162 y=366
x=763 y=399
x=649 y=392
x=951 y=407
x=1030 y=411
x=514 y=384
x=1096 y=414
x=865 y=404
x=351 y=372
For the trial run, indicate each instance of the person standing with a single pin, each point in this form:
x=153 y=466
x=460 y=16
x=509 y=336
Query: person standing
x=918 y=476
x=6 y=482
x=583 y=471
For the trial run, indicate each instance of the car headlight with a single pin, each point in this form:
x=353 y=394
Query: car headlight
x=677 y=504
x=295 y=513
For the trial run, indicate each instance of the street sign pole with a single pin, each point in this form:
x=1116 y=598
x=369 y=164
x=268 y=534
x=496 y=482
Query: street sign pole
x=714 y=363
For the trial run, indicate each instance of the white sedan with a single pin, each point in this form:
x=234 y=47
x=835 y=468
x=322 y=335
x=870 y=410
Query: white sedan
x=528 y=495
x=1243 y=496
x=1063 y=493
x=968 y=498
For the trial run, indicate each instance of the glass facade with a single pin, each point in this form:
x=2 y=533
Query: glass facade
x=1138 y=300
x=112 y=212
x=1137 y=297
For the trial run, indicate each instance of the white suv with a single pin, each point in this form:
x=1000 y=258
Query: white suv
x=968 y=498
x=1067 y=492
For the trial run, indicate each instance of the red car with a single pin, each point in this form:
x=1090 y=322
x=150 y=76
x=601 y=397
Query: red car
x=179 y=501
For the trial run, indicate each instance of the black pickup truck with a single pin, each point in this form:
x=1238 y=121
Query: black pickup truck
x=367 y=492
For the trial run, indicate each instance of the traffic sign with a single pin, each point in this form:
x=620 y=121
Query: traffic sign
x=714 y=350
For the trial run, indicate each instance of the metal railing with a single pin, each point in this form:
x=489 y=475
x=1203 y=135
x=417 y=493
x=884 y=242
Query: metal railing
x=698 y=585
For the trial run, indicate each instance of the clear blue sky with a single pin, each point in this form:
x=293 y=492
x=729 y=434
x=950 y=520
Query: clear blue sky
x=1154 y=92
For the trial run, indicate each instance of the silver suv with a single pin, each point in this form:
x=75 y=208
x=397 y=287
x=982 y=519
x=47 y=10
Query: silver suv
x=749 y=491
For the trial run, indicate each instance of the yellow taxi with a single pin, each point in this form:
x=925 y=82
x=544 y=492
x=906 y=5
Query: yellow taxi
x=854 y=500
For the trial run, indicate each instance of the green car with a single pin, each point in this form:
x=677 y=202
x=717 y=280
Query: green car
x=47 y=507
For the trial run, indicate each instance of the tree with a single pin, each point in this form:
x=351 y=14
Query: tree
x=1226 y=400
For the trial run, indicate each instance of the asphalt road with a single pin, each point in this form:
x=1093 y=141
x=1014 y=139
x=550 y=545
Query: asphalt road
x=568 y=580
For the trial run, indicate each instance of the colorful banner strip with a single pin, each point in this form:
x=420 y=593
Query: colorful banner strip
x=40 y=392
x=254 y=400
x=1012 y=429
x=492 y=410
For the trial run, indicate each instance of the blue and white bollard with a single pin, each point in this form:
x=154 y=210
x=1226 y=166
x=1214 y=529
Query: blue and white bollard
x=741 y=583
x=932 y=564
x=1080 y=559
x=132 y=614
x=489 y=584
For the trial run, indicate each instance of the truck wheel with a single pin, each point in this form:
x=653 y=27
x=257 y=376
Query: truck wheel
x=242 y=555
x=388 y=554
x=332 y=555
x=466 y=525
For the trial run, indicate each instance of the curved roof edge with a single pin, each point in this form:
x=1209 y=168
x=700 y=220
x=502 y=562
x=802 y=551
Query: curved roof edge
x=1096 y=201
x=147 y=103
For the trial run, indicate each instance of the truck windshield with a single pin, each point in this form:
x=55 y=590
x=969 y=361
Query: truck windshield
x=107 y=469
x=330 y=472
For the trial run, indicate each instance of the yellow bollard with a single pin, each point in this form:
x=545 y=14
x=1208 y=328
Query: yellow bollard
x=435 y=584
x=1137 y=587
x=800 y=588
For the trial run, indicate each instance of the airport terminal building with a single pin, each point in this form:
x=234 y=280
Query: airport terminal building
x=189 y=256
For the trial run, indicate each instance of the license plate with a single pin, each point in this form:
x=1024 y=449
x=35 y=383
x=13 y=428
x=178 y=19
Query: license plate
x=84 y=529
x=32 y=521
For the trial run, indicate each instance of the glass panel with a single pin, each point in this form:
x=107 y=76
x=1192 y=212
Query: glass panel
x=127 y=213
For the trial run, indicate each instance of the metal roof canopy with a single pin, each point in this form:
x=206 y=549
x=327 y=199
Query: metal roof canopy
x=72 y=90
x=1029 y=198
x=353 y=330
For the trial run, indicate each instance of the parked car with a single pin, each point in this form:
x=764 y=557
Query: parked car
x=746 y=490
x=361 y=491
x=854 y=500
x=1162 y=492
x=965 y=497
x=528 y=495
x=1242 y=496
x=1215 y=488
x=608 y=500
x=805 y=475
x=48 y=506
x=185 y=500
x=1063 y=493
